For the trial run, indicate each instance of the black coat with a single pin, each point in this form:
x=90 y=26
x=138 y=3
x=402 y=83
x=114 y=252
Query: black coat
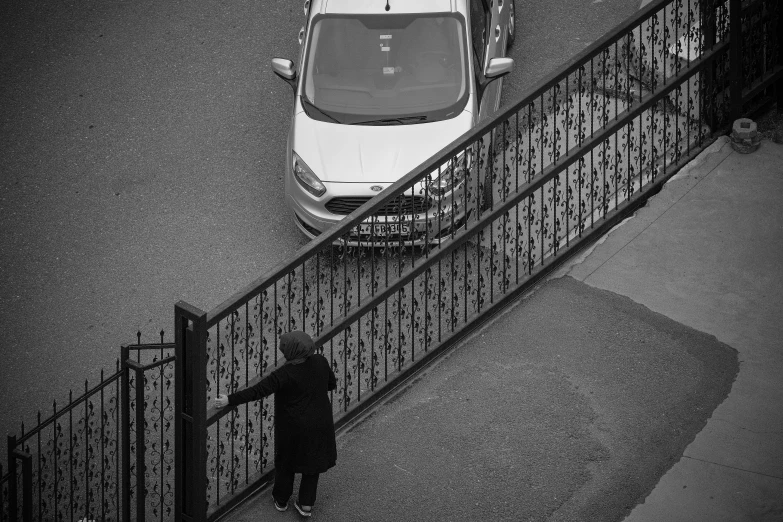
x=304 y=427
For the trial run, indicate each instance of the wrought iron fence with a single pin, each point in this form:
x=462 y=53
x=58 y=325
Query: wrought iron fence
x=148 y=426
x=70 y=460
x=405 y=274
x=83 y=461
x=408 y=272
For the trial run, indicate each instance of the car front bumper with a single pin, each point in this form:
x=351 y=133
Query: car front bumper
x=434 y=225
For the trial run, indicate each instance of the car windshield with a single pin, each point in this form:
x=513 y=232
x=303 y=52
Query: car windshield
x=385 y=69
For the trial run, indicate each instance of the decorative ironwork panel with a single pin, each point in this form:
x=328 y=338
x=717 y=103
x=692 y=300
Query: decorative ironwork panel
x=239 y=348
x=151 y=444
x=395 y=281
x=159 y=440
x=132 y=435
x=75 y=457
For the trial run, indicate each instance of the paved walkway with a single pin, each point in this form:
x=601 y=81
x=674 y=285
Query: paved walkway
x=708 y=253
x=642 y=382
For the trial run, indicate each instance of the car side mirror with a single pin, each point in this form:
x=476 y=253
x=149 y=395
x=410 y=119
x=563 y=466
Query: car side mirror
x=496 y=68
x=286 y=70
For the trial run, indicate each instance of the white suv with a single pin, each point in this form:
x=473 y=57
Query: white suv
x=380 y=86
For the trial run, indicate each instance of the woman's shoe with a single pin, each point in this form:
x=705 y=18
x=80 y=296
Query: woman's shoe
x=279 y=507
x=302 y=511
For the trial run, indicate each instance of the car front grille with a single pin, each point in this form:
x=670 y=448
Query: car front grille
x=402 y=205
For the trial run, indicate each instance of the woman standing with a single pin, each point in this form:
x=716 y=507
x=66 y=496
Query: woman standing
x=304 y=427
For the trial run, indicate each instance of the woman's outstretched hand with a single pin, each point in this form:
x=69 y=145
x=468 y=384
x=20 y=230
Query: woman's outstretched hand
x=221 y=401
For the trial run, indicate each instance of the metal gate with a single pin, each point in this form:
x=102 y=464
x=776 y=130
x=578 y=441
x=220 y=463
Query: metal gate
x=495 y=212
x=106 y=455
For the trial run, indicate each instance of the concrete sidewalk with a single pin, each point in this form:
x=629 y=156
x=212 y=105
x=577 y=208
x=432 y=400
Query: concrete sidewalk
x=708 y=253
x=580 y=396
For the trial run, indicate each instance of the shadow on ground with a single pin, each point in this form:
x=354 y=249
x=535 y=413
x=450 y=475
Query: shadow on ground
x=571 y=408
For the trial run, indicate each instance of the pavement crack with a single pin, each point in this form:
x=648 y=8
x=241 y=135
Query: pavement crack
x=735 y=468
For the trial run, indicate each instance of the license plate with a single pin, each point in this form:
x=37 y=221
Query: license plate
x=384 y=229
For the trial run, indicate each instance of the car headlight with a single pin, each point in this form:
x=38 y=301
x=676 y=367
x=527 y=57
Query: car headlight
x=305 y=176
x=452 y=174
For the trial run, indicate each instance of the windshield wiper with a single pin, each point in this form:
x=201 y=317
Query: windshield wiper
x=310 y=105
x=404 y=120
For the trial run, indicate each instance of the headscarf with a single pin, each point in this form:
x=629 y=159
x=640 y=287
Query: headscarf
x=296 y=347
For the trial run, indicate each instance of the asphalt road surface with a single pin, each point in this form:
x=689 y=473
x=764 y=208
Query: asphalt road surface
x=142 y=157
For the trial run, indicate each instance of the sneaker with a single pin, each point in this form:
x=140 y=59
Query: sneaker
x=301 y=510
x=279 y=507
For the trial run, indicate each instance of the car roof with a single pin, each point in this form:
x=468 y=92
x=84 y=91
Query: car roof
x=379 y=6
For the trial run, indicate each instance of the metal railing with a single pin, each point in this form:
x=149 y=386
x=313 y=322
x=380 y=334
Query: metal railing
x=70 y=460
x=408 y=273
x=389 y=288
x=91 y=458
x=148 y=387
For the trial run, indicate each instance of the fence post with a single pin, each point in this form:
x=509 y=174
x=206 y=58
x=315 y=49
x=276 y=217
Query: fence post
x=735 y=58
x=190 y=406
x=27 y=484
x=708 y=89
x=13 y=505
x=141 y=447
x=126 y=510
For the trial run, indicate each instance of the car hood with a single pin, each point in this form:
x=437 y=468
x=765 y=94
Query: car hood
x=370 y=153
